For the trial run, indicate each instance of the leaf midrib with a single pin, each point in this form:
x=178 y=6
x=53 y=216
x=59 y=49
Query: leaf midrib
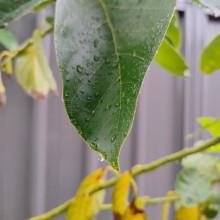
x=104 y=8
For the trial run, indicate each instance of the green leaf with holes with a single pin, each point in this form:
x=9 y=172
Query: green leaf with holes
x=209 y=60
x=191 y=187
x=104 y=50
x=13 y=9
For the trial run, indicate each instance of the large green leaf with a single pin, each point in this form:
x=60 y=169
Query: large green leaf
x=209 y=60
x=13 y=9
x=104 y=48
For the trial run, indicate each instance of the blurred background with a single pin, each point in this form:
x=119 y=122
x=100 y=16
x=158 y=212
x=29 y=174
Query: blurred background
x=43 y=159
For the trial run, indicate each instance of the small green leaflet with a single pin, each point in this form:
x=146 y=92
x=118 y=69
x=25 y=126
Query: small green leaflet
x=191 y=187
x=168 y=56
x=7 y=39
x=104 y=50
x=209 y=60
x=213 y=126
x=11 y=10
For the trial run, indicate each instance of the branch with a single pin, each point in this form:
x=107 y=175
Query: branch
x=15 y=51
x=137 y=170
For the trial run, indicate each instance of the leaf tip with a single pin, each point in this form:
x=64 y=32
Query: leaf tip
x=3 y=99
x=38 y=96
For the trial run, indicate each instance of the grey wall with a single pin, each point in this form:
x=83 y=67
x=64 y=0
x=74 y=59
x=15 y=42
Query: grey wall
x=42 y=158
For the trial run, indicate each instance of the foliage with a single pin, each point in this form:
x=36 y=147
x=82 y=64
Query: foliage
x=104 y=49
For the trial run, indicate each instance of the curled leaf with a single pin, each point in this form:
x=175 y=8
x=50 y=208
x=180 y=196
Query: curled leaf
x=91 y=203
x=78 y=208
x=133 y=212
x=166 y=207
x=120 y=193
x=2 y=92
x=32 y=70
x=38 y=45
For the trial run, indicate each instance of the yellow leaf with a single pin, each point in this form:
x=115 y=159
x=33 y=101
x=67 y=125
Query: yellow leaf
x=134 y=213
x=90 y=204
x=2 y=92
x=166 y=207
x=95 y=202
x=78 y=208
x=32 y=70
x=119 y=196
x=203 y=217
x=188 y=213
x=8 y=68
x=42 y=60
x=92 y=181
x=29 y=74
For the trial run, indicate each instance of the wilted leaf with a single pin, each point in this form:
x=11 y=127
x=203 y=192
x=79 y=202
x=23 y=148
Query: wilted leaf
x=78 y=208
x=95 y=202
x=134 y=213
x=38 y=44
x=11 y=10
x=30 y=75
x=188 y=213
x=213 y=126
x=169 y=58
x=209 y=60
x=166 y=207
x=191 y=187
x=104 y=51
x=2 y=92
x=7 y=39
x=92 y=181
x=92 y=202
x=96 y=199
x=119 y=195
x=33 y=72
